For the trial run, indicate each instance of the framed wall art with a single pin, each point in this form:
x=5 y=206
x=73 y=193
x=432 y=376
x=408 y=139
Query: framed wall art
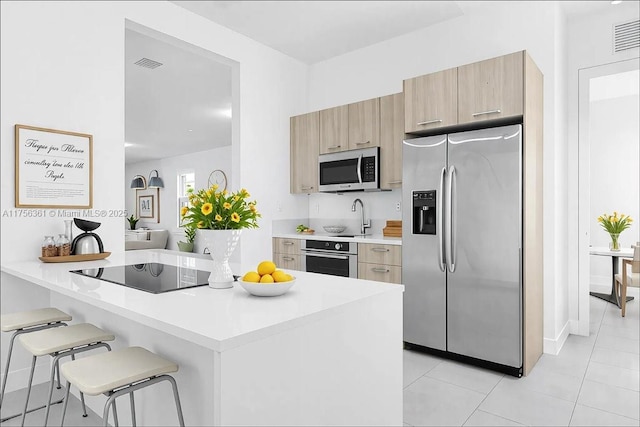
x=53 y=169
x=148 y=205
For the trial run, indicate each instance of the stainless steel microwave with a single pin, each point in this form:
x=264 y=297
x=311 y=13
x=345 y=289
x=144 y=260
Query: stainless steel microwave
x=353 y=170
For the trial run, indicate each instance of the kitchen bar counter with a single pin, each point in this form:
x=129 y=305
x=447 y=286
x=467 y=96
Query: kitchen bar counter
x=369 y=238
x=327 y=352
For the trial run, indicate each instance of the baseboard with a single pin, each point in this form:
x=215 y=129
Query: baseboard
x=553 y=346
x=19 y=378
x=575 y=329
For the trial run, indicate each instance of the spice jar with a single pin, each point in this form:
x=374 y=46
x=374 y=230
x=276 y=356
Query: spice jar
x=49 y=247
x=63 y=245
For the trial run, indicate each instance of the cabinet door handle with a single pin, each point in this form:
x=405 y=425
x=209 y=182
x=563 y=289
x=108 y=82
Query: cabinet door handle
x=306 y=188
x=288 y=258
x=396 y=182
x=380 y=270
x=380 y=249
x=486 y=112
x=428 y=122
x=363 y=143
x=334 y=147
x=287 y=243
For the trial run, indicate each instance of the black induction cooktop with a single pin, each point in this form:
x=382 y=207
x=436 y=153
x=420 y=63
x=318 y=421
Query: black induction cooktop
x=151 y=277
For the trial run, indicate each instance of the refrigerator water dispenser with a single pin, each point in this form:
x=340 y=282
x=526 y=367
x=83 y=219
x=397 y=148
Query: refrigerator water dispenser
x=424 y=212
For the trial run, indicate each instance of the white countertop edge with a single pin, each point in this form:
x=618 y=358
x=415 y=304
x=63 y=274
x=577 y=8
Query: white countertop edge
x=178 y=331
x=373 y=238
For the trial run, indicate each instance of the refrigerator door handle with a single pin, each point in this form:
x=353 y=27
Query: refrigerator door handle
x=451 y=234
x=440 y=215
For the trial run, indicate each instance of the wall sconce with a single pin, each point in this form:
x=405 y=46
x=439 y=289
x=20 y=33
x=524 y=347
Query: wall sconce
x=139 y=182
x=155 y=181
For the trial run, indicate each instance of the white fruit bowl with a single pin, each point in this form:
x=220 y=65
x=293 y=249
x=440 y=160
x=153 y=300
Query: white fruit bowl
x=267 y=289
x=334 y=228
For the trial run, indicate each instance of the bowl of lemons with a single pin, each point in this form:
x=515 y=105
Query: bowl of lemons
x=267 y=280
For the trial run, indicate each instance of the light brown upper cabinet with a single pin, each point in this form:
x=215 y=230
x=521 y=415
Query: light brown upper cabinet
x=364 y=124
x=334 y=129
x=431 y=101
x=491 y=89
x=305 y=143
x=391 y=136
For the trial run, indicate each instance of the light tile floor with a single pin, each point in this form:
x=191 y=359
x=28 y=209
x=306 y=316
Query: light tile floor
x=594 y=381
x=13 y=403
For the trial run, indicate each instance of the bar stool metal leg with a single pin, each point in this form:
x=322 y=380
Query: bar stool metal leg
x=26 y=401
x=66 y=401
x=111 y=402
x=59 y=386
x=56 y=362
x=115 y=413
x=176 y=397
x=133 y=410
x=6 y=367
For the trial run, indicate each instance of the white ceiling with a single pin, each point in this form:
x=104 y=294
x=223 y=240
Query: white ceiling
x=190 y=90
x=313 y=31
x=181 y=107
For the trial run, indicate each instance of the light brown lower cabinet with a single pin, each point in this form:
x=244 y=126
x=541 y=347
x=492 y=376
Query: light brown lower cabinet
x=286 y=253
x=380 y=272
x=379 y=262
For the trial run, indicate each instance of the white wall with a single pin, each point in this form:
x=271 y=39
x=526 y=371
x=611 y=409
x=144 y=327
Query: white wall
x=63 y=68
x=589 y=45
x=486 y=30
x=615 y=173
x=201 y=163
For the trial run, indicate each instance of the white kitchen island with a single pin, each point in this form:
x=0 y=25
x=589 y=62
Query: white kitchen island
x=329 y=352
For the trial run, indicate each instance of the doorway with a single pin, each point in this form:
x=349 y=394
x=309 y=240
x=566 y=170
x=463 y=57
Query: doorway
x=608 y=169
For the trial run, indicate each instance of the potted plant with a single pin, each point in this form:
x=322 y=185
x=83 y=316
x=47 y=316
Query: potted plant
x=190 y=234
x=219 y=217
x=132 y=222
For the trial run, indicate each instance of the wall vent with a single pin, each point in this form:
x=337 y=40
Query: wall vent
x=626 y=36
x=148 y=63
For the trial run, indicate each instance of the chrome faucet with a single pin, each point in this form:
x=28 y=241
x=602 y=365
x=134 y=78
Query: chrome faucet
x=363 y=225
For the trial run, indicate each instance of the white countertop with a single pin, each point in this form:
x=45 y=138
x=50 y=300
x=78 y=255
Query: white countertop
x=369 y=238
x=219 y=319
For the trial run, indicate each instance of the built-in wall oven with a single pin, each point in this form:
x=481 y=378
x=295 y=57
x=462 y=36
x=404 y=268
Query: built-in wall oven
x=330 y=257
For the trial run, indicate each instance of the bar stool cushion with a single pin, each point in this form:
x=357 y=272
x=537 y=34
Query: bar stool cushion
x=53 y=340
x=26 y=319
x=109 y=371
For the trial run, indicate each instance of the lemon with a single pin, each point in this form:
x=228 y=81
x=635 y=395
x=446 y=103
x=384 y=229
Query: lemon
x=266 y=278
x=279 y=276
x=251 y=276
x=288 y=277
x=266 y=267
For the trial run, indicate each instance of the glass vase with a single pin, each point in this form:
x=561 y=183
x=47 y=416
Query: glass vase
x=614 y=244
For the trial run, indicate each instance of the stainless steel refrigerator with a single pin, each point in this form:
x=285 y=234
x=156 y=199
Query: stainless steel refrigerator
x=462 y=244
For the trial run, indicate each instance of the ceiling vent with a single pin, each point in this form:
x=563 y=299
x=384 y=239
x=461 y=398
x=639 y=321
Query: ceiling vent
x=148 y=63
x=626 y=36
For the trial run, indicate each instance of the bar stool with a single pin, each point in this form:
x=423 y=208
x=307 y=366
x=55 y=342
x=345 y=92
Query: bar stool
x=59 y=343
x=116 y=373
x=24 y=322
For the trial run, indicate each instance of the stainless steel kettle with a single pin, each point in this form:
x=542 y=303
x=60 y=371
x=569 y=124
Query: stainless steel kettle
x=87 y=242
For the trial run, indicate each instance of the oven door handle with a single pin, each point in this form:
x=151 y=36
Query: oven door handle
x=321 y=255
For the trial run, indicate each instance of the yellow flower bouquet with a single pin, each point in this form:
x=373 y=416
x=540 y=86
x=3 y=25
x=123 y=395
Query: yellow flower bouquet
x=211 y=209
x=614 y=225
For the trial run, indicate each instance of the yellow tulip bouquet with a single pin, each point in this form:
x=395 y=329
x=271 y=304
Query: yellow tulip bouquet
x=219 y=210
x=614 y=225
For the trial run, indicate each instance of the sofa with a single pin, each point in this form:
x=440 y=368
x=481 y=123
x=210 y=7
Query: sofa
x=149 y=239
